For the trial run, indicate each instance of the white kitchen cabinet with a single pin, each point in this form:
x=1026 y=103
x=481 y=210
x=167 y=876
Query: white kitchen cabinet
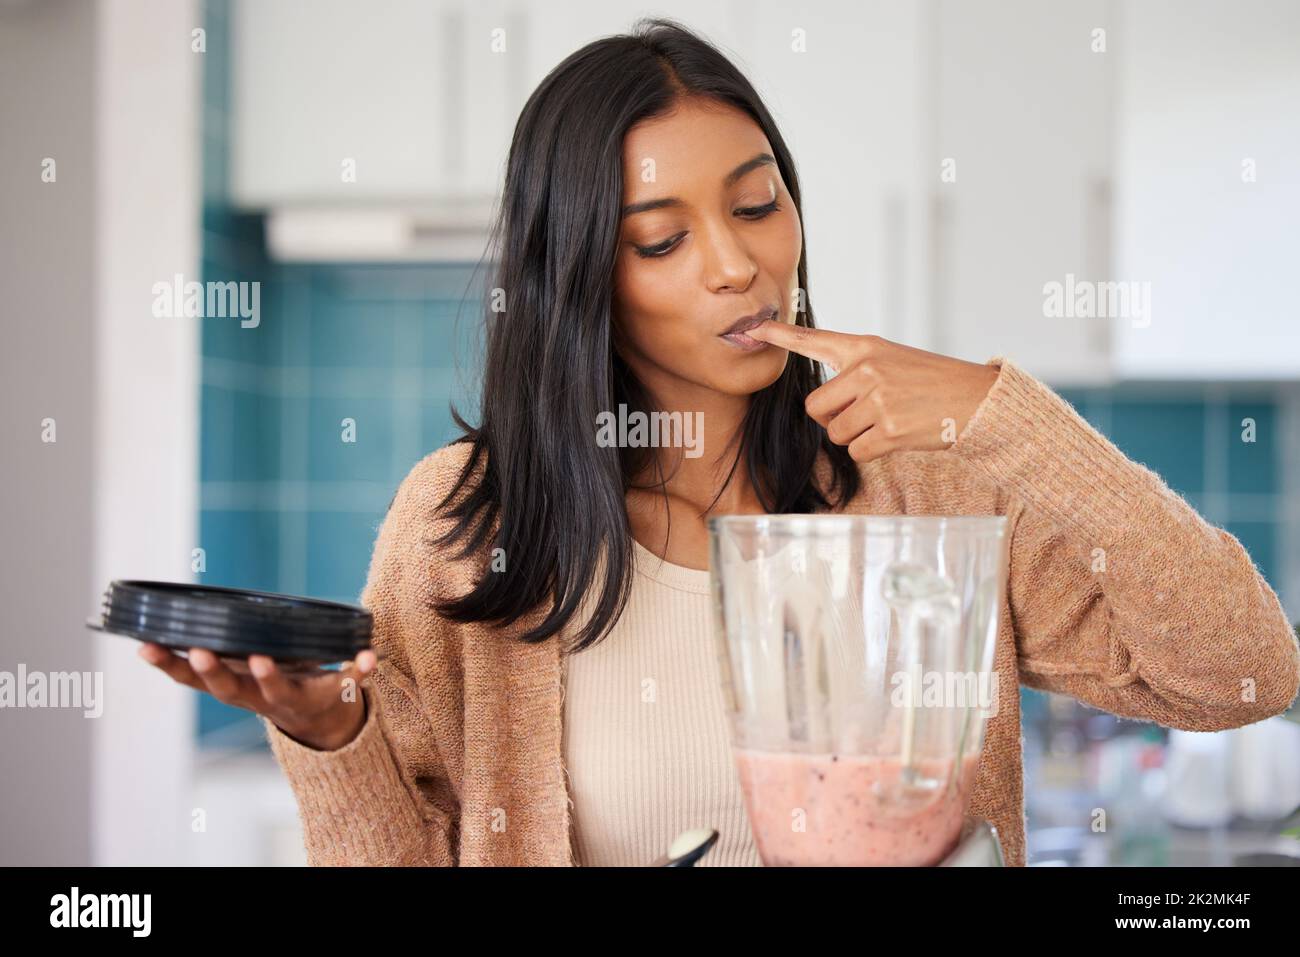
x=1129 y=168
x=1023 y=115
x=395 y=101
x=421 y=96
x=1208 y=210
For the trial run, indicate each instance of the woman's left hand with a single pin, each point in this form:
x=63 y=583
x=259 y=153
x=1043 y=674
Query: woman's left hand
x=884 y=396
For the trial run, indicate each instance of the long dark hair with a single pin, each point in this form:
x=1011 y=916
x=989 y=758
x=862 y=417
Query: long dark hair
x=548 y=494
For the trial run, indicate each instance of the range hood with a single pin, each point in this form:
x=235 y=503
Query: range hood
x=454 y=230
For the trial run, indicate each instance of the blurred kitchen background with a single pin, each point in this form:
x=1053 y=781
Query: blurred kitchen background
x=956 y=156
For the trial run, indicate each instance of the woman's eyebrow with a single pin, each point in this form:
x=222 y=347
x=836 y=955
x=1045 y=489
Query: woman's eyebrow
x=762 y=159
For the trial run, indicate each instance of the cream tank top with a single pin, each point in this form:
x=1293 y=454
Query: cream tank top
x=646 y=742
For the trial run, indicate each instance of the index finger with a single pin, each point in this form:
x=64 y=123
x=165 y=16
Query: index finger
x=820 y=344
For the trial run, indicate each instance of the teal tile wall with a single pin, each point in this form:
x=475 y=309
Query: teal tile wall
x=1253 y=467
x=1168 y=437
x=287 y=504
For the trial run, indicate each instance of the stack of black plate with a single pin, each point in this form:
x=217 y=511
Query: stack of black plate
x=233 y=622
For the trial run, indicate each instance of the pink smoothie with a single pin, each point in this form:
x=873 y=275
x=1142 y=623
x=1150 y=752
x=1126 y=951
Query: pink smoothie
x=849 y=810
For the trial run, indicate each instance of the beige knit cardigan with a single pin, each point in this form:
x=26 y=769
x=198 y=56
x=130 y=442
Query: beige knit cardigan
x=460 y=762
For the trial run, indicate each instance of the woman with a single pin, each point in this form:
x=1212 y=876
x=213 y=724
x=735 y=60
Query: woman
x=546 y=692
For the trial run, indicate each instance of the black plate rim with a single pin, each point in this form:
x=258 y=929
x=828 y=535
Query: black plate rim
x=288 y=604
x=226 y=647
x=226 y=617
x=167 y=618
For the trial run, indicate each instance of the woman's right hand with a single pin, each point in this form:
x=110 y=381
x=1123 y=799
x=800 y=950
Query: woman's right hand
x=313 y=708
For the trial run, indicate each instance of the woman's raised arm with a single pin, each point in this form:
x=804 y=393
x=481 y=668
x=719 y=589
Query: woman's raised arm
x=1121 y=594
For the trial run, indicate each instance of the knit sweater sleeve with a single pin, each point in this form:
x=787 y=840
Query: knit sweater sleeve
x=384 y=798
x=1121 y=595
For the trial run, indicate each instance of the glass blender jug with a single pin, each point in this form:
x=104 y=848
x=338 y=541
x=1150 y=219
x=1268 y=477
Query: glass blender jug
x=856 y=657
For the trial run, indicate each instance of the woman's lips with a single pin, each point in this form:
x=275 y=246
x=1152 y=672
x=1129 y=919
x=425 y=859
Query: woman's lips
x=744 y=342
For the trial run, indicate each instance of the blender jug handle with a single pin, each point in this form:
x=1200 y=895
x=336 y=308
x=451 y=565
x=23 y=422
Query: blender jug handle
x=918 y=596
